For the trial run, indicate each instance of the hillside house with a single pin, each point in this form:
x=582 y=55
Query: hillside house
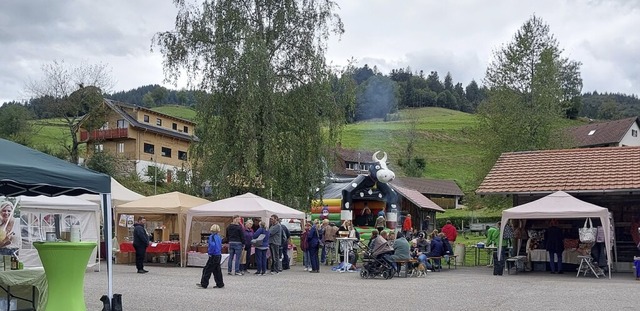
x=445 y=193
x=617 y=133
x=608 y=177
x=351 y=163
x=144 y=137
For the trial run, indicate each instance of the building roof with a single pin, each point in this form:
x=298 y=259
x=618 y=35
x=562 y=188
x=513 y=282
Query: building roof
x=118 y=107
x=417 y=198
x=602 y=134
x=351 y=155
x=429 y=186
x=584 y=170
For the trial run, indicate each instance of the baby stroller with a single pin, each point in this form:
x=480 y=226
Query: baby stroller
x=375 y=264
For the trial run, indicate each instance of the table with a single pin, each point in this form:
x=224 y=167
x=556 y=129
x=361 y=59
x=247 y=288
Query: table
x=64 y=265
x=161 y=247
x=19 y=284
x=476 y=253
x=568 y=256
x=346 y=245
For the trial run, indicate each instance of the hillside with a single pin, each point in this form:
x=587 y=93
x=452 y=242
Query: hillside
x=445 y=141
x=177 y=111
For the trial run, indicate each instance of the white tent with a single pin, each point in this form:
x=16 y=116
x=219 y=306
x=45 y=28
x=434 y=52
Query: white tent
x=245 y=205
x=36 y=219
x=119 y=195
x=559 y=205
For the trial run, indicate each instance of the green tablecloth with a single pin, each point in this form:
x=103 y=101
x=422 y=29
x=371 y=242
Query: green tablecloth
x=21 y=282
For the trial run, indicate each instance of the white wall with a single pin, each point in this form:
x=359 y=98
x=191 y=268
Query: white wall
x=628 y=139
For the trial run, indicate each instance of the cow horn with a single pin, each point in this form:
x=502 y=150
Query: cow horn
x=375 y=156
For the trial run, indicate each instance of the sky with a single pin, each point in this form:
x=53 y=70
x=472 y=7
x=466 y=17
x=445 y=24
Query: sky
x=446 y=36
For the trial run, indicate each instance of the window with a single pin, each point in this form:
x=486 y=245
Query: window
x=121 y=124
x=166 y=152
x=174 y=126
x=148 y=148
x=634 y=133
x=186 y=129
x=159 y=122
x=146 y=118
x=592 y=132
x=120 y=147
x=182 y=155
x=99 y=147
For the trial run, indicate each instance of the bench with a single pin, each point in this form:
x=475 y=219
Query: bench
x=408 y=263
x=438 y=259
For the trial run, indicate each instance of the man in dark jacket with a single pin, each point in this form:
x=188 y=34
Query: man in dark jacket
x=140 y=243
x=286 y=236
x=555 y=245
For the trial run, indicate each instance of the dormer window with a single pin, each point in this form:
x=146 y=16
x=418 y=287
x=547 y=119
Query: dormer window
x=592 y=132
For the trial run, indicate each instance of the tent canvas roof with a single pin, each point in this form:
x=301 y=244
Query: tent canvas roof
x=556 y=205
x=25 y=171
x=62 y=202
x=166 y=203
x=248 y=204
x=119 y=194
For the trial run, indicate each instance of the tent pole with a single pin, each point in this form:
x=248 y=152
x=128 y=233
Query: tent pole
x=108 y=241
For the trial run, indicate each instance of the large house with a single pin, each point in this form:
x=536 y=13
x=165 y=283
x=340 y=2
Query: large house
x=617 y=133
x=351 y=163
x=144 y=137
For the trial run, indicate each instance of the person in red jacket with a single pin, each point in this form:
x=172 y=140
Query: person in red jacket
x=407 y=227
x=450 y=231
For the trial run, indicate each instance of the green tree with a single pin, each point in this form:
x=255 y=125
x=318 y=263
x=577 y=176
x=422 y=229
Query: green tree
x=433 y=82
x=269 y=118
x=448 y=82
x=526 y=95
x=14 y=123
x=375 y=98
x=609 y=110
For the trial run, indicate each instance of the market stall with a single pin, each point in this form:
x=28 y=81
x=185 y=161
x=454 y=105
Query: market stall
x=165 y=215
x=560 y=205
x=245 y=205
x=28 y=172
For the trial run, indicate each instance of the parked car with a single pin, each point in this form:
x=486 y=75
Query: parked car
x=294 y=226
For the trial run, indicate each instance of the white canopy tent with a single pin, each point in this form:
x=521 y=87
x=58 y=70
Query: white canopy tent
x=559 y=205
x=36 y=214
x=119 y=195
x=245 y=205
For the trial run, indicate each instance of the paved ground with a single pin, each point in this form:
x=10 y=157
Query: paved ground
x=467 y=288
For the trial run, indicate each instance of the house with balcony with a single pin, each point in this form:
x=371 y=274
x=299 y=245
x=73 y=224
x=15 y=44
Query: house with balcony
x=143 y=137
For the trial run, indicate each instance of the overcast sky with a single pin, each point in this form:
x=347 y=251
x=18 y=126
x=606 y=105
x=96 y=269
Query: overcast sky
x=446 y=36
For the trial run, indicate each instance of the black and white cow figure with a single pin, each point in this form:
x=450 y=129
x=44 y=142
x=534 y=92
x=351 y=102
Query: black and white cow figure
x=372 y=187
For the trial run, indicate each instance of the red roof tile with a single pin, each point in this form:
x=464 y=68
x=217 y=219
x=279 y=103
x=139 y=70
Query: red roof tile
x=602 y=134
x=570 y=170
x=417 y=198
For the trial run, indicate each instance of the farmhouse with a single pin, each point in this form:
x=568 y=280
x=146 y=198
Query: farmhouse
x=617 y=133
x=605 y=176
x=144 y=137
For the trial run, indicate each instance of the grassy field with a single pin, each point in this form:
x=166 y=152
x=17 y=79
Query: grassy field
x=177 y=111
x=50 y=133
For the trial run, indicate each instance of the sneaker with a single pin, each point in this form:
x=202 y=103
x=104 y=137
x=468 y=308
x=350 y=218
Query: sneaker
x=198 y=285
x=142 y=271
x=229 y=273
x=262 y=274
x=218 y=286
x=258 y=272
x=239 y=273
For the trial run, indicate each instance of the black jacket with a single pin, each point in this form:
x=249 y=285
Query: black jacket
x=235 y=233
x=140 y=236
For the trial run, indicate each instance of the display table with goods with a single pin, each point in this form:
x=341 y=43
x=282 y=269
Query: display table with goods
x=64 y=266
x=25 y=288
x=171 y=249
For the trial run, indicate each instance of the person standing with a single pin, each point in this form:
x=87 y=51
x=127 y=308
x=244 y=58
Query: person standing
x=380 y=221
x=450 y=231
x=286 y=239
x=275 y=244
x=553 y=239
x=235 y=236
x=213 y=264
x=140 y=243
x=248 y=236
x=304 y=246
x=426 y=224
x=313 y=239
x=407 y=227
x=493 y=235
x=261 y=250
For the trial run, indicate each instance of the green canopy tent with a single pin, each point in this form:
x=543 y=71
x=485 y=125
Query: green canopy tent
x=25 y=171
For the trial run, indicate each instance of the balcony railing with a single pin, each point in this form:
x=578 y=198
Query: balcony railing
x=104 y=134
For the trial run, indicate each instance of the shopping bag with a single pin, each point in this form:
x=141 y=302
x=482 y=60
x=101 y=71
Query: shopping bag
x=243 y=257
x=588 y=234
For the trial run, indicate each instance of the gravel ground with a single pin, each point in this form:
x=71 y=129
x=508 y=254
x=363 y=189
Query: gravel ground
x=467 y=288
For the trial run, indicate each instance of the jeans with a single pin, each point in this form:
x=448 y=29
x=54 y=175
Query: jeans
x=141 y=252
x=323 y=254
x=552 y=261
x=313 y=254
x=261 y=260
x=235 y=250
x=276 y=261
x=422 y=258
x=306 y=259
